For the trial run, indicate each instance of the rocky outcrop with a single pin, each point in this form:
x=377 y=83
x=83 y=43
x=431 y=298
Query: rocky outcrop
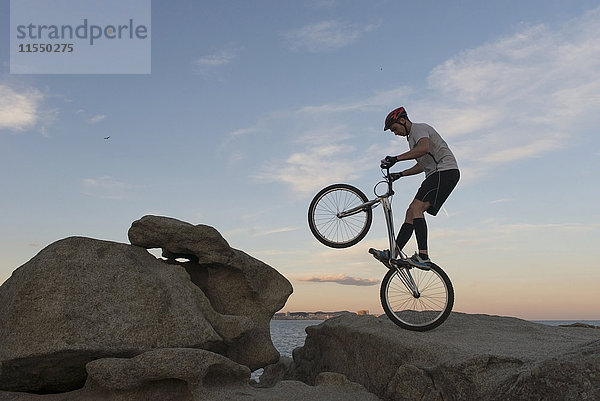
x=469 y=357
x=82 y=299
x=192 y=375
x=92 y=320
x=234 y=282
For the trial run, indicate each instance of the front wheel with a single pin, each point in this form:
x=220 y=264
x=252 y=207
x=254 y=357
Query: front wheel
x=415 y=299
x=325 y=221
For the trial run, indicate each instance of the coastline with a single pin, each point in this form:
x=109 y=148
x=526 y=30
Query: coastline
x=321 y=315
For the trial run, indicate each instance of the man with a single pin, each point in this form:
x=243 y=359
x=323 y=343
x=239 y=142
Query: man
x=436 y=160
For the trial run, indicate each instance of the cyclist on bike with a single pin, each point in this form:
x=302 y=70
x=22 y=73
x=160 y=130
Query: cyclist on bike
x=436 y=160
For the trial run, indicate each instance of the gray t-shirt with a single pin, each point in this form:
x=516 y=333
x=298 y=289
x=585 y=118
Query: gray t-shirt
x=440 y=157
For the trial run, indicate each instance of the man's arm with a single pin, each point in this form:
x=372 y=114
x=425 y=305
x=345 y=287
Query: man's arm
x=422 y=148
x=416 y=169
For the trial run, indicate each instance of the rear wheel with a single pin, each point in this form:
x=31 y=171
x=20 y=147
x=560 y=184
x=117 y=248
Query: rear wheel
x=324 y=220
x=415 y=299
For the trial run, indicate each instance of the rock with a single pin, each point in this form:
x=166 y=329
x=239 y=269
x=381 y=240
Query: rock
x=190 y=375
x=469 y=357
x=179 y=238
x=337 y=380
x=275 y=373
x=234 y=282
x=82 y=299
x=194 y=366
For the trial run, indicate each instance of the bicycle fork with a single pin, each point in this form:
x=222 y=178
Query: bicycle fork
x=395 y=253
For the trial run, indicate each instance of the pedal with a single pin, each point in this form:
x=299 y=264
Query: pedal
x=401 y=264
x=377 y=255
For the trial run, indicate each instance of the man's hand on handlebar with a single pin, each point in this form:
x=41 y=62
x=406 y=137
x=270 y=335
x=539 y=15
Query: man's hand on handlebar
x=395 y=176
x=388 y=162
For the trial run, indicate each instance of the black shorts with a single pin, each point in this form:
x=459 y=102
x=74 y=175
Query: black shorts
x=436 y=188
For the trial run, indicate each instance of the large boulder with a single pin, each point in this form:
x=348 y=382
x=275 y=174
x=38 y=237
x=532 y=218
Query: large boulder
x=191 y=375
x=82 y=299
x=234 y=282
x=469 y=357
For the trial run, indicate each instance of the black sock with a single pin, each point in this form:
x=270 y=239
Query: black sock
x=404 y=235
x=421 y=233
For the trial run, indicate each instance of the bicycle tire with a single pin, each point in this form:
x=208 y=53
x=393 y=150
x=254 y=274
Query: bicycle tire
x=422 y=313
x=334 y=231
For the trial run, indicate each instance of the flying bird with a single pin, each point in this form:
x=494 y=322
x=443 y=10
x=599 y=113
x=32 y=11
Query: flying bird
x=108 y=137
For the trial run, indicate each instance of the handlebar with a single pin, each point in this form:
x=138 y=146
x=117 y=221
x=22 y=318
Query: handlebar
x=385 y=165
x=389 y=179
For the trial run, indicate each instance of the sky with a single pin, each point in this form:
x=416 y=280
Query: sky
x=251 y=108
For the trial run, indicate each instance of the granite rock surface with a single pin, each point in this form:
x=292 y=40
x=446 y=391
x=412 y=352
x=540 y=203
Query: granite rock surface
x=469 y=357
x=82 y=299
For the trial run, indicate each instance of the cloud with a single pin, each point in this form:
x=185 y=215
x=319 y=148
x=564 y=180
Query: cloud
x=97 y=118
x=512 y=229
x=325 y=152
x=373 y=103
x=19 y=110
x=536 y=60
x=217 y=59
x=519 y=97
x=277 y=231
x=490 y=234
x=244 y=131
x=325 y=36
x=105 y=187
x=502 y=200
x=533 y=148
x=258 y=231
x=341 y=279
x=313 y=168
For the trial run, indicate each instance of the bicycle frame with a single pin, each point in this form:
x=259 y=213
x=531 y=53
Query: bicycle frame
x=395 y=253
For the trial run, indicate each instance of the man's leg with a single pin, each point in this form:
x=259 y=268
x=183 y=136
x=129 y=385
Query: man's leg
x=416 y=215
x=404 y=235
x=421 y=233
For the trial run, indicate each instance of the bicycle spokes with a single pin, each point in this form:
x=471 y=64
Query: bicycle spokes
x=409 y=282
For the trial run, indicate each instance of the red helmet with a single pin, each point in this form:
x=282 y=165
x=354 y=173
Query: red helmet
x=394 y=116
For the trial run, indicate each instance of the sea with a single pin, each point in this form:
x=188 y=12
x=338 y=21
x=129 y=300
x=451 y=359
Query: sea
x=290 y=334
x=286 y=336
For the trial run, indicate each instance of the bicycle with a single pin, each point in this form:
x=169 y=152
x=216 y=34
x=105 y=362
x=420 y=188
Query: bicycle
x=414 y=298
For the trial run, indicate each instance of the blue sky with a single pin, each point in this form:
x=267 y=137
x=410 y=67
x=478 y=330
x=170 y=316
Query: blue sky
x=252 y=107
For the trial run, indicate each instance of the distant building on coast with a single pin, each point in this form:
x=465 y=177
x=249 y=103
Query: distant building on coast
x=315 y=315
